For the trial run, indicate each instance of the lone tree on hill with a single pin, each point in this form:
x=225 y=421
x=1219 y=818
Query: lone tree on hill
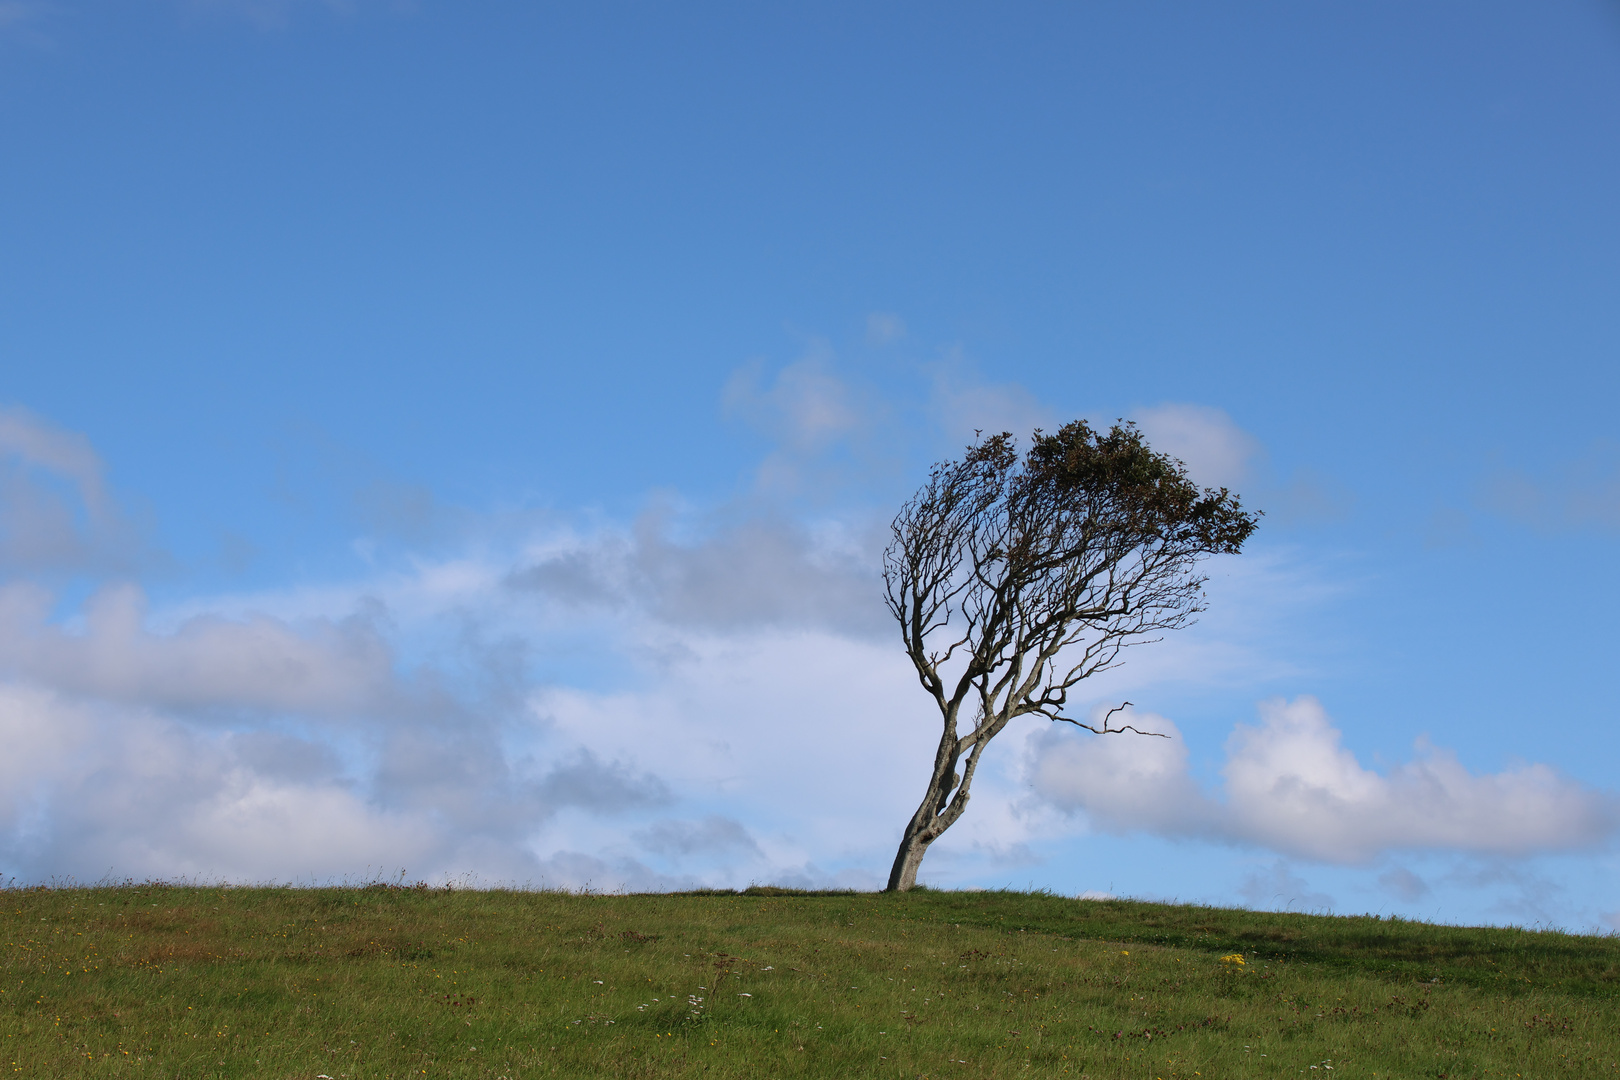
x=1013 y=579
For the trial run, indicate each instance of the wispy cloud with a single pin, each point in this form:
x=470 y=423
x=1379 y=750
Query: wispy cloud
x=1582 y=493
x=20 y=18
x=55 y=511
x=884 y=327
x=825 y=429
x=1217 y=452
x=277 y=14
x=1278 y=886
x=761 y=571
x=713 y=835
x=961 y=404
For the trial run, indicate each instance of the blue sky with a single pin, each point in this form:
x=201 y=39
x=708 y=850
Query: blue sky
x=459 y=438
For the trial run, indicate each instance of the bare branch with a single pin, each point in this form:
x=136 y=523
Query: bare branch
x=1106 y=730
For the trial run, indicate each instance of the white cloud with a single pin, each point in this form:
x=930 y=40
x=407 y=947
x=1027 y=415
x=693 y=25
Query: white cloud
x=312 y=732
x=816 y=740
x=1289 y=786
x=327 y=666
x=216 y=739
x=686 y=699
x=87 y=789
x=1123 y=782
x=1216 y=451
x=742 y=673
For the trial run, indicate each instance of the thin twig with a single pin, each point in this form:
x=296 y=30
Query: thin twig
x=1106 y=730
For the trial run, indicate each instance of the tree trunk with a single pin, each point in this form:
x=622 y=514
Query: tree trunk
x=936 y=813
x=906 y=861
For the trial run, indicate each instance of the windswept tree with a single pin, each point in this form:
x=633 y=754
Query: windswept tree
x=1015 y=578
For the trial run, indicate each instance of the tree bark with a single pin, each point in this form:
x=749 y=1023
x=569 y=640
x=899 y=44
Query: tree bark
x=935 y=813
x=921 y=831
x=906 y=861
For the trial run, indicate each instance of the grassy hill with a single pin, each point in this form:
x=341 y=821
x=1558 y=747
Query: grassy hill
x=164 y=981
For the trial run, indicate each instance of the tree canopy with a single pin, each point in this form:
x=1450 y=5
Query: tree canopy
x=1014 y=578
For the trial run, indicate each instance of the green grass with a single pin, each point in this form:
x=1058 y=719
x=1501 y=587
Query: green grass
x=167 y=981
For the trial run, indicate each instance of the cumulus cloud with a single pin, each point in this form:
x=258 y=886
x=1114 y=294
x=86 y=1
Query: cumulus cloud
x=90 y=788
x=395 y=721
x=1290 y=786
x=718 y=722
x=1123 y=782
x=326 y=666
x=33 y=442
x=223 y=740
x=682 y=655
x=684 y=699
